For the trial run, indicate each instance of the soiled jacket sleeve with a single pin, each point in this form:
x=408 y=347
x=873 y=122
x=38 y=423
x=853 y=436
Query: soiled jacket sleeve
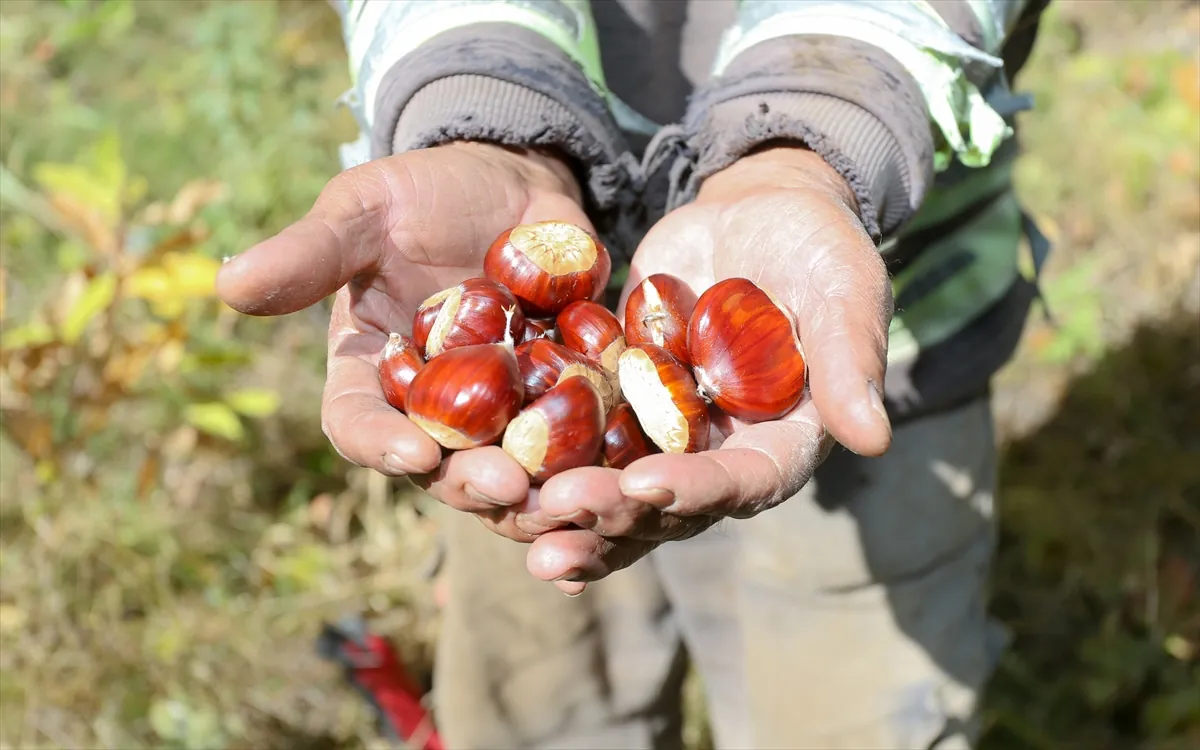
x=889 y=92
x=515 y=72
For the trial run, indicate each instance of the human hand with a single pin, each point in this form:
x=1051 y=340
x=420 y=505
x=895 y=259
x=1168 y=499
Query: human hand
x=784 y=219
x=384 y=236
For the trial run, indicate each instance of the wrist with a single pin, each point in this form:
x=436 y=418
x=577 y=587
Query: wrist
x=542 y=168
x=779 y=166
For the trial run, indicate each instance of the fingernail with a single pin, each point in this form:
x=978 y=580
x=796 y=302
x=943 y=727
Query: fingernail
x=574 y=575
x=876 y=397
x=394 y=463
x=581 y=517
x=479 y=497
x=656 y=496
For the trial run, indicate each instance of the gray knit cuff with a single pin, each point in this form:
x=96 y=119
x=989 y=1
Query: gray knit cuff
x=503 y=84
x=846 y=100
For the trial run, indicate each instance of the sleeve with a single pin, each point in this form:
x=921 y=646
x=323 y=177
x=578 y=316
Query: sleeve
x=515 y=72
x=889 y=92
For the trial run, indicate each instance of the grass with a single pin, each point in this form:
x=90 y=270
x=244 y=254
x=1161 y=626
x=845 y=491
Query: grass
x=174 y=527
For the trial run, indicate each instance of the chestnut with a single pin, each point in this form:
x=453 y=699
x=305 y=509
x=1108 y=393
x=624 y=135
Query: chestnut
x=548 y=265
x=398 y=365
x=624 y=439
x=544 y=364
x=658 y=311
x=472 y=312
x=745 y=353
x=465 y=397
x=594 y=331
x=662 y=393
x=538 y=328
x=563 y=429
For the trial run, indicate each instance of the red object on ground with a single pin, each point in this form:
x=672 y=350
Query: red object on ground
x=373 y=668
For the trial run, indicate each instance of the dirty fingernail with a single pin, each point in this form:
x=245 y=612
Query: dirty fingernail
x=653 y=495
x=394 y=463
x=479 y=497
x=873 y=392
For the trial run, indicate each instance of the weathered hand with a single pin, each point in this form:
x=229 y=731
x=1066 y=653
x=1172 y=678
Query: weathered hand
x=384 y=236
x=786 y=220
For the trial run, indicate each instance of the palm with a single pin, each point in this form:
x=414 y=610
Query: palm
x=384 y=237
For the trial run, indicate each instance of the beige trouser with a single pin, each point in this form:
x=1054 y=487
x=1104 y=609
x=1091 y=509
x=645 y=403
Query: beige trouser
x=851 y=616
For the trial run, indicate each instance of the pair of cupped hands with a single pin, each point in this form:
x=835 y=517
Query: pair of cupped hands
x=385 y=235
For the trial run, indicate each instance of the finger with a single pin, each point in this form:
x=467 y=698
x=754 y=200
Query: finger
x=579 y=556
x=341 y=237
x=364 y=428
x=844 y=310
x=757 y=468
x=480 y=479
x=591 y=498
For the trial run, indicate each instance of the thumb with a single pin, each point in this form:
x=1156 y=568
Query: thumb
x=340 y=237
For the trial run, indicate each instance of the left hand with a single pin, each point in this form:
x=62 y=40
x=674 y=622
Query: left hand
x=786 y=220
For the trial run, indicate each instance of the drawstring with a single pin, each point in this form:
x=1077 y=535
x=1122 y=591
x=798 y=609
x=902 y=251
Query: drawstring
x=668 y=146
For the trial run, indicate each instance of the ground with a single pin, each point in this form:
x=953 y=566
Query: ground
x=174 y=528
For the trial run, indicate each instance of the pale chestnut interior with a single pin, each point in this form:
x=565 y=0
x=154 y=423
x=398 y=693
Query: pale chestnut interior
x=654 y=312
x=445 y=318
x=526 y=439
x=604 y=386
x=445 y=436
x=555 y=247
x=662 y=420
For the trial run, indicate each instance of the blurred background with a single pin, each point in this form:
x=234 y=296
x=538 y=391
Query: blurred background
x=174 y=528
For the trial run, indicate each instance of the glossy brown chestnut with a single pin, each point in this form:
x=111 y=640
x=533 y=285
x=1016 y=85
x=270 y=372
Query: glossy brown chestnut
x=663 y=395
x=624 y=439
x=745 y=353
x=465 y=397
x=594 y=331
x=548 y=265
x=538 y=328
x=564 y=429
x=472 y=312
x=657 y=312
x=544 y=364
x=398 y=365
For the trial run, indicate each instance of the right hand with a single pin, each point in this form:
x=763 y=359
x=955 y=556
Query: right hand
x=384 y=236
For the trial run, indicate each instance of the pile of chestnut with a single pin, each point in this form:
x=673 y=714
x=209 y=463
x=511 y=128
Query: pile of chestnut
x=527 y=356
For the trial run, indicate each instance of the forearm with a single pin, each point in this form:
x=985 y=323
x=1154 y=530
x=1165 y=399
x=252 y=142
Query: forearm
x=888 y=92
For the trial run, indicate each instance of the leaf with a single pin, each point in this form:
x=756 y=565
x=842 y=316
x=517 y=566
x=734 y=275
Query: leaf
x=149 y=283
x=254 y=402
x=216 y=419
x=76 y=186
x=27 y=336
x=95 y=299
x=192 y=274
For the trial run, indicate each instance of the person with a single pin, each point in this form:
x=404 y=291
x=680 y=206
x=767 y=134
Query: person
x=827 y=572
